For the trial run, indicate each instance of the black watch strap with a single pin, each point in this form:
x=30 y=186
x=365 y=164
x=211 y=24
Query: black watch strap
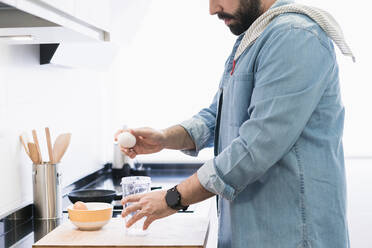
x=173 y=199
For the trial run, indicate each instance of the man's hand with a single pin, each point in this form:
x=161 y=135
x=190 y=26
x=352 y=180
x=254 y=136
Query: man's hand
x=148 y=140
x=151 y=205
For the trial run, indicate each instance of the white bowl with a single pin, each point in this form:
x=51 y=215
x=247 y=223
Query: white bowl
x=97 y=215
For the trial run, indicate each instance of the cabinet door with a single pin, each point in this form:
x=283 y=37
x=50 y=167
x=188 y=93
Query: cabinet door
x=95 y=12
x=9 y=2
x=66 y=6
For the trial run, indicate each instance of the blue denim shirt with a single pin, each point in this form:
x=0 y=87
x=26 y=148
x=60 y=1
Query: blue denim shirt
x=279 y=171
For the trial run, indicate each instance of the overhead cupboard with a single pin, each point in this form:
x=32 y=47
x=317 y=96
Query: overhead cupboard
x=54 y=21
x=72 y=33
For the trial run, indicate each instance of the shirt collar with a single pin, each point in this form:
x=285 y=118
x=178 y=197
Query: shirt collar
x=277 y=3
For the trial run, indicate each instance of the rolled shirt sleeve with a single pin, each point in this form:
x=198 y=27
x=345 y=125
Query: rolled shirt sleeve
x=201 y=128
x=292 y=72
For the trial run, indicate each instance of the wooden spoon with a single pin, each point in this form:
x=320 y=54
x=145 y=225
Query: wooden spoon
x=36 y=141
x=24 y=145
x=49 y=143
x=60 y=146
x=34 y=155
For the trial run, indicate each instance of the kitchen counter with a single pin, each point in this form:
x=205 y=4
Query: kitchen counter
x=178 y=230
x=21 y=230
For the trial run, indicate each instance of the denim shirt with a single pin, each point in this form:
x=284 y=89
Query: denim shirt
x=279 y=168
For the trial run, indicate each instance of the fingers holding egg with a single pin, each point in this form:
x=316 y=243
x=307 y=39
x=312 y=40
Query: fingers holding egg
x=124 y=150
x=130 y=152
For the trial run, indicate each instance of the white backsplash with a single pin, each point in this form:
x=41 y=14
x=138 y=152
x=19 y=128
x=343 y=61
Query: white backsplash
x=35 y=96
x=358 y=175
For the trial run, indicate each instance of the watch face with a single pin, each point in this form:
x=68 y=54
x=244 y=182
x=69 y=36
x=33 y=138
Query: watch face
x=172 y=198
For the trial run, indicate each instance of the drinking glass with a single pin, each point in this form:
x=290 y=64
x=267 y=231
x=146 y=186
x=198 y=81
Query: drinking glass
x=135 y=185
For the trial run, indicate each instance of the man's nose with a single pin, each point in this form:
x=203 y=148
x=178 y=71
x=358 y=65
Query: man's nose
x=214 y=7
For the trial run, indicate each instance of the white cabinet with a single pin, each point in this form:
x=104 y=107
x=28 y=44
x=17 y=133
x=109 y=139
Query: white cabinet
x=64 y=20
x=96 y=12
x=66 y=6
x=9 y=2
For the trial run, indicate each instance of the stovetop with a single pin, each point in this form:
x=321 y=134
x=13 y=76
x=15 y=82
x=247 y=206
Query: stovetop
x=108 y=181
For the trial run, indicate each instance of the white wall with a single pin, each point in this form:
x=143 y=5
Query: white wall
x=359 y=201
x=34 y=96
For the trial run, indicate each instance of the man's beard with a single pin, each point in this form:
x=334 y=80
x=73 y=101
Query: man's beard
x=246 y=14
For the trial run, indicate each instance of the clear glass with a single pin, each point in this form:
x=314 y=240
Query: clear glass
x=135 y=185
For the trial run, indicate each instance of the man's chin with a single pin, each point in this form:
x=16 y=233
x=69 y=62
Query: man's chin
x=236 y=30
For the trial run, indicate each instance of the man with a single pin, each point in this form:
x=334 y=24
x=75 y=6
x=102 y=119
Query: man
x=276 y=124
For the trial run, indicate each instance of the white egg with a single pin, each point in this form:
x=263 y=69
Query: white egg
x=127 y=140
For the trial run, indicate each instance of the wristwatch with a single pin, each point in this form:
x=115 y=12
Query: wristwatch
x=173 y=199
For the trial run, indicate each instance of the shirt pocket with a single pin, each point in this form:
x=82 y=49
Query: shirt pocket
x=239 y=94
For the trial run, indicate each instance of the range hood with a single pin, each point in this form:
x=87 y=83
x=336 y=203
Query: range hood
x=34 y=22
x=37 y=22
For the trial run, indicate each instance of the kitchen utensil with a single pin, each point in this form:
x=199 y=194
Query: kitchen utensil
x=34 y=155
x=24 y=145
x=96 y=195
x=97 y=215
x=36 y=141
x=49 y=143
x=135 y=185
x=46 y=180
x=60 y=146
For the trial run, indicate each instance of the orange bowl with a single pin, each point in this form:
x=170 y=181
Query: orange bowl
x=97 y=215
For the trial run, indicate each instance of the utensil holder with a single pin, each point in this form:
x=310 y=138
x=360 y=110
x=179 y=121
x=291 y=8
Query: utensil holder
x=46 y=180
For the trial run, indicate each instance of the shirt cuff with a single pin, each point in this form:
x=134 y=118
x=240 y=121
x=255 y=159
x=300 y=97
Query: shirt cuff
x=210 y=179
x=199 y=133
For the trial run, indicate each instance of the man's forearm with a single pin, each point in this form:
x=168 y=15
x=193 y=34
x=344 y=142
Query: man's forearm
x=192 y=191
x=177 y=138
